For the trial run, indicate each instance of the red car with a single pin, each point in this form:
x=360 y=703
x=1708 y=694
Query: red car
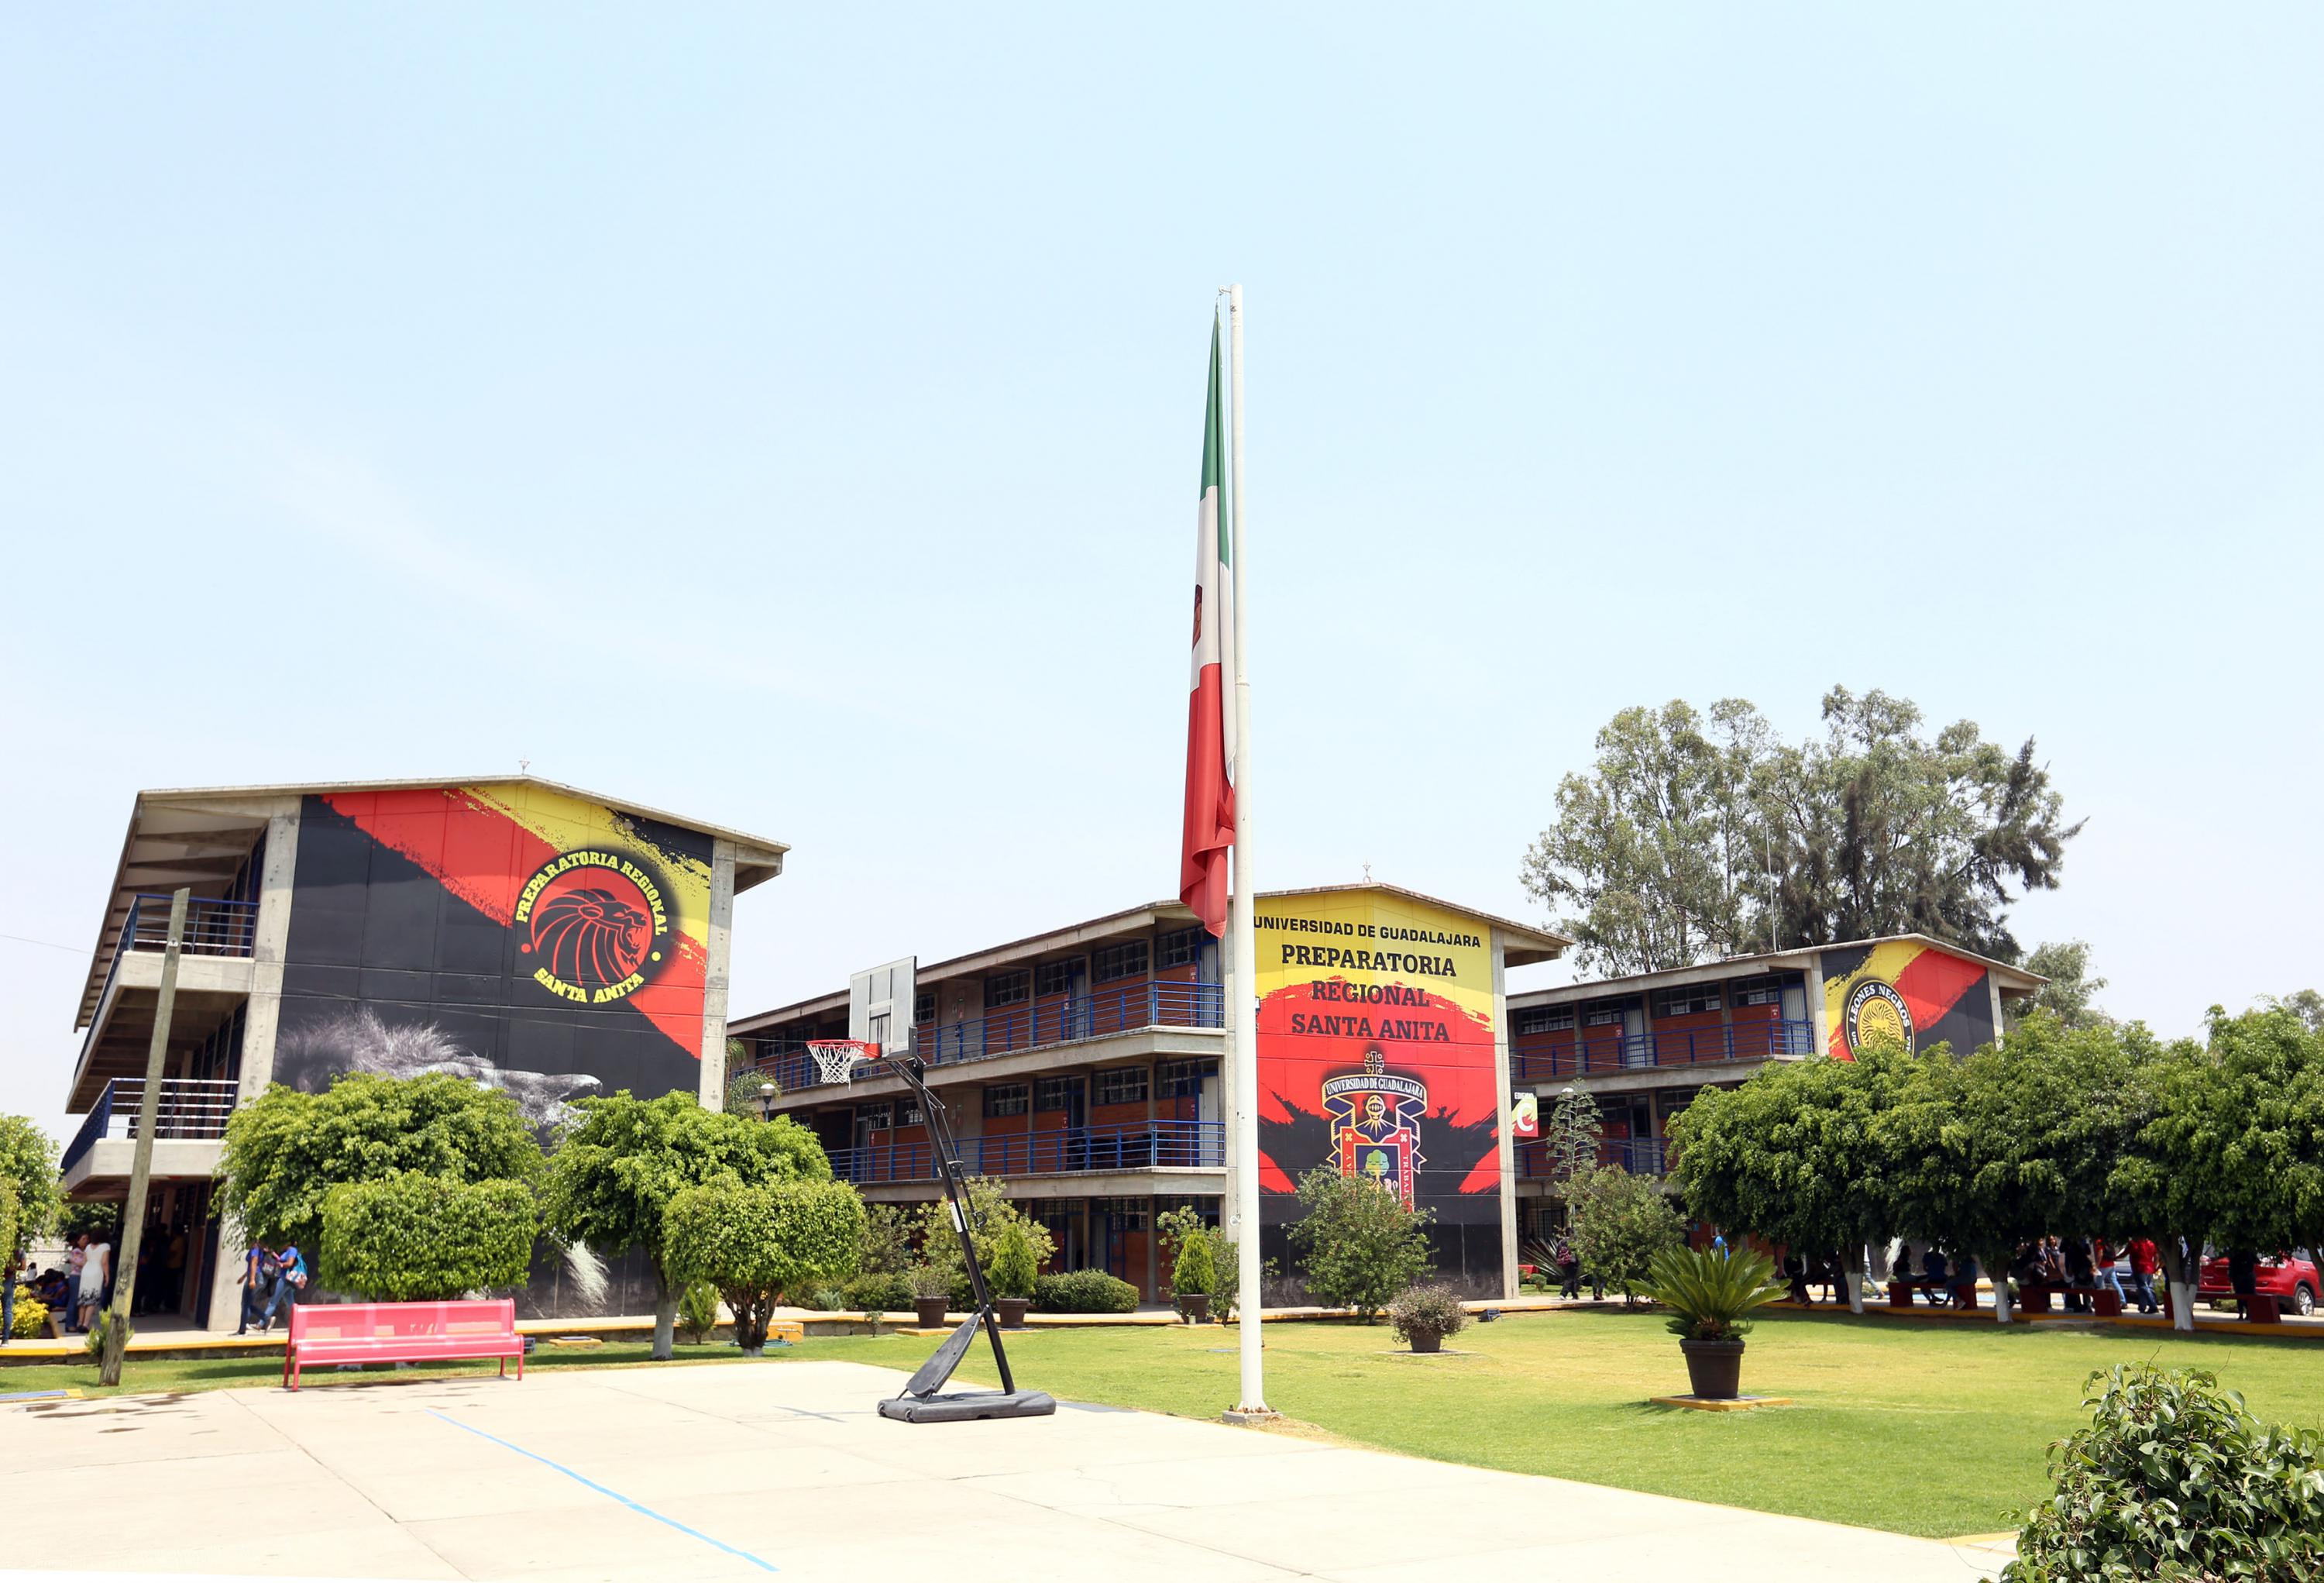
x=2288 y=1277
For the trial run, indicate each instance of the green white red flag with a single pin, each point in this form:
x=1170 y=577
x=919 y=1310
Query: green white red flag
x=1210 y=714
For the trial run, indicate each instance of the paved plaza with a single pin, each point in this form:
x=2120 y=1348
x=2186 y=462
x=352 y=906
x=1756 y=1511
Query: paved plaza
x=728 y=1471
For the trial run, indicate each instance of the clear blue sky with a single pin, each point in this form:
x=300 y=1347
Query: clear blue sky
x=796 y=422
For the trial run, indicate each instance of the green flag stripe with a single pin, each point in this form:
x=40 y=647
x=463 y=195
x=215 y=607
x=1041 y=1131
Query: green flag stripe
x=1215 y=449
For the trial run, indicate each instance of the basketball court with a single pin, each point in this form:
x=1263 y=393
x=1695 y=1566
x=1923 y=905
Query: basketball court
x=733 y=1471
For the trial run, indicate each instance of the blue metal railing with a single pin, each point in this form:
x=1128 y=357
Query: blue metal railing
x=1615 y=1052
x=194 y=1109
x=1118 y=1010
x=214 y=928
x=1129 y=1145
x=1638 y=1156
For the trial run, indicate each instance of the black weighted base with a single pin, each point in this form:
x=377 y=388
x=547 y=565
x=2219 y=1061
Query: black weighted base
x=962 y=1406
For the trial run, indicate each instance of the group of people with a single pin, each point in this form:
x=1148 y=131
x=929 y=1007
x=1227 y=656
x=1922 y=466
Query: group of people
x=77 y=1291
x=2080 y=1267
x=272 y=1281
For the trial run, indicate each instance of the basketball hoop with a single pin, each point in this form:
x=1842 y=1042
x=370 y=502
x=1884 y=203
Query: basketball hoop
x=836 y=1059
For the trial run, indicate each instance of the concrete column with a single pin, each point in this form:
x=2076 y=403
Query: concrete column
x=713 y=1077
x=1504 y=1146
x=1818 y=1013
x=260 y=1026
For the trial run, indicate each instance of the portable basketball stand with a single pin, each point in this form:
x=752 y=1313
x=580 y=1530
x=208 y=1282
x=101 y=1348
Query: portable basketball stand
x=923 y=1399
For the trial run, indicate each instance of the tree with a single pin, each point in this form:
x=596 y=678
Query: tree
x=284 y=1152
x=2072 y=994
x=887 y=1240
x=1361 y=1246
x=989 y=1217
x=2230 y=1146
x=621 y=1160
x=1796 y=1155
x=28 y=1163
x=1014 y=1269
x=1618 y=1223
x=411 y=1238
x=2307 y=1005
x=1569 y=1139
x=755 y=1242
x=1696 y=837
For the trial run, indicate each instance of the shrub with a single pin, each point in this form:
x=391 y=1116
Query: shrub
x=2175 y=1480
x=751 y=1243
x=989 y=1216
x=32 y=1316
x=1427 y=1310
x=1618 y=1223
x=1083 y=1291
x=1196 y=1272
x=824 y=1300
x=879 y=1291
x=697 y=1311
x=1014 y=1268
x=95 y=1345
x=1361 y=1246
x=887 y=1240
x=411 y=1238
x=928 y=1280
x=1708 y=1293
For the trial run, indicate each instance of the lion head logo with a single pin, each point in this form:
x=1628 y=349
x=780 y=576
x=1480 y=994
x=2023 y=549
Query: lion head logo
x=590 y=937
x=591 y=924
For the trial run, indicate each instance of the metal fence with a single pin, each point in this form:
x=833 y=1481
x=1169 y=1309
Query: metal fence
x=1134 y=1145
x=188 y=1108
x=1616 y=1053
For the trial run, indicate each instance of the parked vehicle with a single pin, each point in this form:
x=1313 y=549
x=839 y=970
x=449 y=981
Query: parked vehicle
x=2290 y=1278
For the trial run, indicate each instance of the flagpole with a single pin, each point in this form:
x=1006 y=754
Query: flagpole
x=1241 y=932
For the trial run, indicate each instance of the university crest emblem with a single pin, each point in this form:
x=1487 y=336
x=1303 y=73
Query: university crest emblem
x=1375 y=1120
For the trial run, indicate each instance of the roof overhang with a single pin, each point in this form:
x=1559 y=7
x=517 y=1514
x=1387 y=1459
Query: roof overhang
x=2015 y=983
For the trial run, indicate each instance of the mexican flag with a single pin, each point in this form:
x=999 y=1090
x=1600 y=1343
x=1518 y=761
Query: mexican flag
x=1209 y=713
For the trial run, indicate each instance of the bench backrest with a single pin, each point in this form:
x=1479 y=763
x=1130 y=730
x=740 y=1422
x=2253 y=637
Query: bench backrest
x=386 y=1321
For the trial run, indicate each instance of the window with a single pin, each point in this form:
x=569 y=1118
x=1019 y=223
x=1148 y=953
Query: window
x=1057 y=977
x=1056 y=1093
x=912 y=1117
x=1542 y=1019
x=1687 y=1000
x=1007 y=1099
x=1126 y=960
x=1124 y=1214
x=924 y=1005
x=880 y=1117
x=1008 y=989
x=1603 y=1017
x=1181 y=947
x=1121 y=1085
x=1757 y=992
x=1183 y=1079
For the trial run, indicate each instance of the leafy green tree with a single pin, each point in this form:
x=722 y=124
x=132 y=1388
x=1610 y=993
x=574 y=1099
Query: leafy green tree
x=12 y=1229
x=1619 y=1223
x=2307 y=1005
x=2072 y=994
x=1696 y=837
x=621 y=1160
x=1014 y=1268
x=887 y=1240
x=1569 y=1136
x=1796 y=1155
x=989 y=1217
x=28 y=1162
x=2175 y=1479
x=411 y=1238
x=756 y=1242
x=100 y=1217
x=1360 y=1246
x=284 y=1152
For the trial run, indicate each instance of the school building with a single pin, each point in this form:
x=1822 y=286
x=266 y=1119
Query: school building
x=1644 y=1045
x=541 y=939
x=1081 y=1068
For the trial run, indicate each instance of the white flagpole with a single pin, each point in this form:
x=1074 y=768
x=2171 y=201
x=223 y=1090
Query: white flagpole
x=1240 y=931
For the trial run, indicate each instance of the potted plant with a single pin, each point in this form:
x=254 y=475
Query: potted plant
x=1708 y=1295
x=1423 y=1316
x=931 y=1287
x=1192 y=1276
x=1014 y=1272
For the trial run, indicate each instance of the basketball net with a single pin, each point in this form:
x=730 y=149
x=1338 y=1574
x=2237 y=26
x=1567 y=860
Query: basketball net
x=836 y=1059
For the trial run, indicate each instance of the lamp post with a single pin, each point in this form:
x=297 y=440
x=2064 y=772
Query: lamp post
x=766 y=1102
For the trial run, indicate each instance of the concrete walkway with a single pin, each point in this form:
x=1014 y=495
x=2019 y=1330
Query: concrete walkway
x=727 y=1471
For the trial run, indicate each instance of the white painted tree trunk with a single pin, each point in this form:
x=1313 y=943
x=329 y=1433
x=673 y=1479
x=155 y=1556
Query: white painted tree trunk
x=1852 y=1272
x=2182 y=1304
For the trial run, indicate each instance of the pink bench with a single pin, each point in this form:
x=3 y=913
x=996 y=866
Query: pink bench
x=401 y=1332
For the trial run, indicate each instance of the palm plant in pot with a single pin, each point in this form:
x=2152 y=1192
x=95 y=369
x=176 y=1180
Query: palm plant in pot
x=1014 y=1272
x=1708 y=1295
x=931 y=1287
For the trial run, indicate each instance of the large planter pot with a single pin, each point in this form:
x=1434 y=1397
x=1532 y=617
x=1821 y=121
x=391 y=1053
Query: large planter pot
x=1900 y=1294
x=1195 y=1307
x=929 y=1312
x=2261 y=1308
x=2106 y=1304
x=1428 y=1341
x=1011 y=1310
x=1714 y=1369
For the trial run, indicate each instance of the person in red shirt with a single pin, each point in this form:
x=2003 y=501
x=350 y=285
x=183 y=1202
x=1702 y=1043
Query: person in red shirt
x=2143 y=1264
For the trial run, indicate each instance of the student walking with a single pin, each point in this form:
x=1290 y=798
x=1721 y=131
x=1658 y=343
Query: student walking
x=293 y=1278
x=76 y=1256
x=2145 y=1260
x=259 y=1273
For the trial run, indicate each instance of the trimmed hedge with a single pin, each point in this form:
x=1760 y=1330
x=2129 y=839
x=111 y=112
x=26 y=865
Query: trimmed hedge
x=412 y=1238
x=884 y=1291
x=1083 y=1291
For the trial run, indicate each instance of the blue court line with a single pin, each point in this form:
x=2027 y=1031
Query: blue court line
x=608 y=1493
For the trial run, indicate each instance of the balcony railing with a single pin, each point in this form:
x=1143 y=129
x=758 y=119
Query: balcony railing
x=1638 y=1156
x=188 y=1108
x=214 y=928
x=1066 y=1021
x=1618 y=1052
x=1132 y=1146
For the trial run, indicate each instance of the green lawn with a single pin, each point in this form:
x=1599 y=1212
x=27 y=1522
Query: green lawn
x=1933 y=1428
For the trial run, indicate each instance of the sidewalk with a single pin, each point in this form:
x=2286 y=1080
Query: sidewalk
x=725 y=1473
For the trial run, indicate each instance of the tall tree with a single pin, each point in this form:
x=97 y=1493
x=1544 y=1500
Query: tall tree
x=1697 y=835
x=28 y=1159
x=2072 y=994
x=619 y=1164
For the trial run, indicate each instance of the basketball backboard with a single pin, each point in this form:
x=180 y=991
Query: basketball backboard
x=879 y=1003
